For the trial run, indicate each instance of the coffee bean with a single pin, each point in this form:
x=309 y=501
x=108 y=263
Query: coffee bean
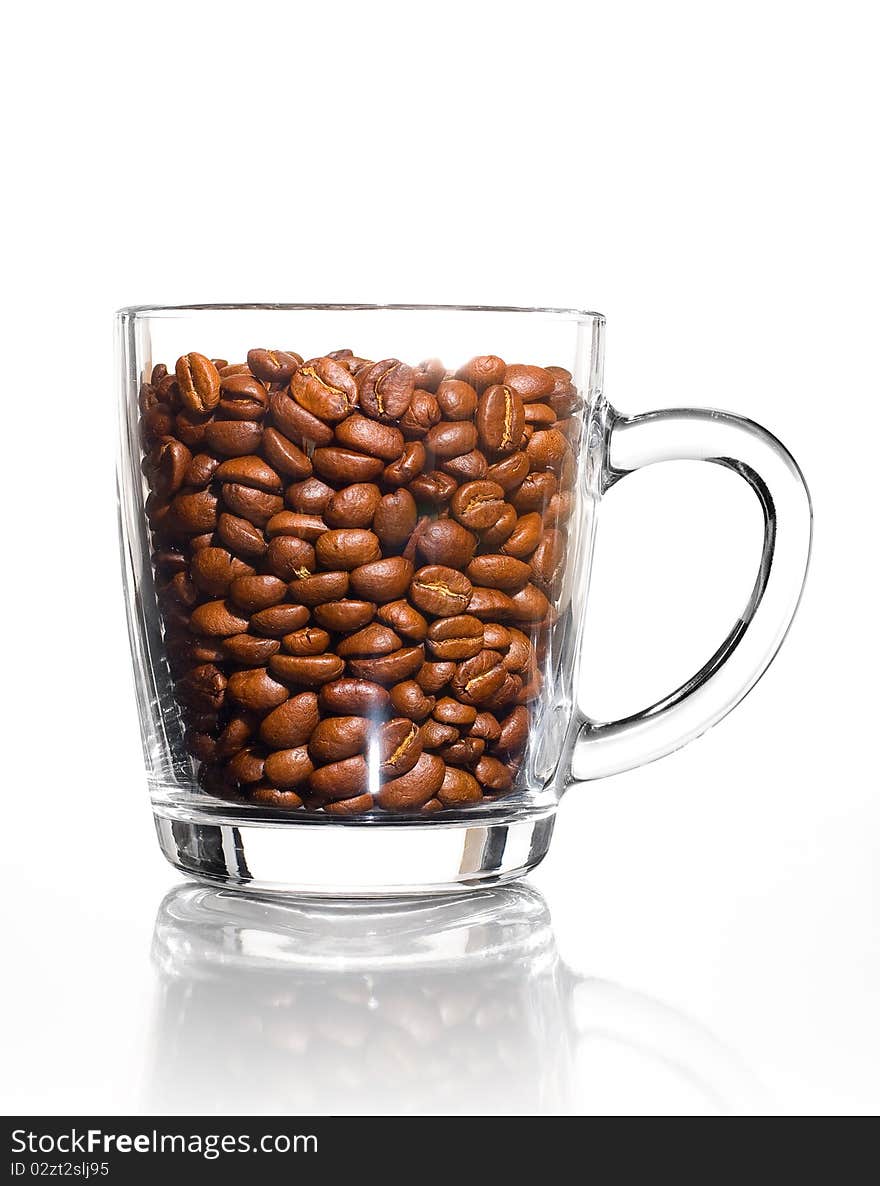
x=491 y=538
x=239 y=536
x=514 y=733
x=467 y=751
x=458 y=787
x=344 y=616
x=256 y=506
x=170 y=460
x=451 y=438
x=286 y=457
x=478 y=504
x=214 y=569
x=456 y=638
x=477 y=679
x=338 y=737
x=389 y=669
x=256 y=690
x=356 y=806
x=307 y=671
x=202 y=688
x=325 y=389
x=217 y=619
x=250 y=651
x=344 y=466
x=499 y=572
x=198 y=383
x=347 y=548
x=436 y=735
x=534 y=493
x=547 y=449
x=201 y=470
x=446 y=542
x=307 y=527
x=273 y=366
x=454 y=712
x=548 y=562
x=525 y=536
x=422 y=413
x=469 y=467
x=483 y=371
x=408 y=622
x=341 y=780
x=485 y=726
x=369 y=436
x=433 y=677
x=500 y=419
x=296 y=423
x=368 y=643
x=249 y=472
x=242 y=397
x=348 y=696
x=529 y=382
x=195 y=513
x=540 y=415
x=252 y=593
x=292 y=723
x=529 y=605
x=265 y=795
x=493 y=775
x=407 y=467
x=239 y=730
x=408 y=699
x=510 y=471
x=321 y=587
x=386 y=389
x=413 y=789
x=288 y=768
x=309 y=497
x=395 y=518
x=289 y=557
x=279 y=620
x=434 y=487
x=308 y=640
x=456 y=399
x=246 y=766
x=382 y=580
x=440 y=591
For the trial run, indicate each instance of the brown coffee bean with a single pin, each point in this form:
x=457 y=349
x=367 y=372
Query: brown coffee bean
x=529 y=382
x=273 y=366
x=422 y=413
x=307 y=527
x=458 y=787
x=189 y=427
x=401 y=616
x=265 y=795
x=289 y=767
x=203 y=688
x=344 y=616
x=457 y=400
x=525 y=536
x=510 y=471
x=491 y=538
x=292 y=723
x=436 y=735
x=440 y=591
x=279 y=620
x=454 y=712
x=399 y=747
x=180 y=589
x=382 y=580
x=432 y=677
x=353 y=506
x=385 y=389
x=347 y=548
x=451 y=439
x=540 y=415
x=429 y=374
x=348 y=696
x=389 y=669
x=499 y=572
x=297 y=424
x=548 y=562
x=558 y=511
x=498 y=637
x=344 y=466
x=214 y=569
x=255 y=689
x=246 y=766
x=242 y=397
x=534 y=493
x=395 y=518
x=446 y=542
x=195 y=513
x=493 y=775
x=408 y=699
x=308 y=640
x=434 y=487
x=341 y=780
x=514 y=733
x=286 y=457
x=198 y=383
x=547 y=449
x=252 y=593
x=368 y=643
x=477 y=679
x=217 y=619
x=309 y=497
x=156 y=424
x=170 y=460
x=307 y=671
x=478 y=504
x=485 y=726
x=250 y=651
x=338 y=737
x=467 y=751
x=256 y=506
x=356 y=806
x=415 y=788
x=321 y=587
x=369 y=436
x=240 y=536
x=529 y=605
x=407 y=467
x=201 y=470
x=289 y=557
x=456 y=638
x=233 y=438
x=200 y=745
x=237 y=732
x=469 y=467
x=483 y=371
x=500 y=419
x=325 y=389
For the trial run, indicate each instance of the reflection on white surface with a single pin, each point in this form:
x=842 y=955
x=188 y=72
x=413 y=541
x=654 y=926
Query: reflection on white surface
x=452 y=1006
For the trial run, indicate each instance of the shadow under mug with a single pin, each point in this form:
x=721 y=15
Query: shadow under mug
x=545 y=443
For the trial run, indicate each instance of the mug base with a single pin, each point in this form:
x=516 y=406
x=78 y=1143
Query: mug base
x=335 y=861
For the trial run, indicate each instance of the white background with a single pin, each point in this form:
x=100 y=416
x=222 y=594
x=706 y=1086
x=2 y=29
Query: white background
x=705 y=175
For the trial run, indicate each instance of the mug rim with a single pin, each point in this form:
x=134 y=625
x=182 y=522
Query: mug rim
x=565 y=314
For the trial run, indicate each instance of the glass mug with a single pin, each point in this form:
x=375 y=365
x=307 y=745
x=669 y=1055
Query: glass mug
x=356 y=589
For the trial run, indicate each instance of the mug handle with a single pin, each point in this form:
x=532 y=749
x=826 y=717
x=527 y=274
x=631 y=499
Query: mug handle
x=685 y=434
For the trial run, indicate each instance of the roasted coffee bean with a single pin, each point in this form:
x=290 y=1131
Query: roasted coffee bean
x=256 y=506
x=296 y=423
x=307 y=527
x=344 y=466
x=454 y=712
x=458 y=787
x=190 y=427
x=485 y=726
x=491 y=538
x=321 y=587
x=440 y=591
x=250 y=651
x=273 y=366
x=292 y=723
x=534 y=493
x=370 y=436
x=467 y=751
x=385 y=389
x=408 y=699
x=478 y=679
x=194 y=513
x=510 y=471
x=388 y=669
x=349 y=696
x=451 y=438
x=214 y=569
x=156 y=424
x=446 y=542
x=242 y=397
x=525 y=536
x=368 y=643
x=252 y=593
x=247 y=766
x=469 y=467
x=456 y=638
x=237 y=732
x=341 y=780
x=265 y=795
x=217 y=619
x=529 y=605
x=408 y=622
x=325 y=389
x=429 y=374
x=307 y=671
x=256 y=690
x=478 y=504
x=170 y=460
x=498 y=637
x=338 y=737
x=432 y=677
x=286 y=457
x=204 y=688
x=529 y=382
x=344 y=616
x=500 y=419
x=382 y=580
x=353 y=506
x=240 y=537
x=493 y=775
x=456 y=399
x=421 y=415
x=498 y=572
x=514 y=733
x=548 y=562
x=399 y=746
x=436 y=735
x=413 y=789
x=198 y=383
x=201 y=470
x=279 y=620
x=356 y=806
x=289 y=557
x=288 y=768
x=394 y=519
x=483 y=371
x=233 y=438
x=547 y=449
x=309 y=497
x=433 y=486
x=407 y=467
x=347 y=548
x=540 y=415
x=308 y=640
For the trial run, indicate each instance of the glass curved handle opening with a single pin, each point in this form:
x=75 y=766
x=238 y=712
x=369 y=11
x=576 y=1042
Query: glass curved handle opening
x=603 y=748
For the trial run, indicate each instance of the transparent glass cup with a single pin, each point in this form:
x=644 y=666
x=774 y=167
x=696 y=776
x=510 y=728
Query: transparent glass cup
x=356 y=547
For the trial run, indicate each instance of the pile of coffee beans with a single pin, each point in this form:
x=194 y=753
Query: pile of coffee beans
x=357 y=565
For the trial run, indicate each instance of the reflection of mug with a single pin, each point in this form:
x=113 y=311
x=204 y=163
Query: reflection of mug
x=356 y=589
x=455 y=1006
